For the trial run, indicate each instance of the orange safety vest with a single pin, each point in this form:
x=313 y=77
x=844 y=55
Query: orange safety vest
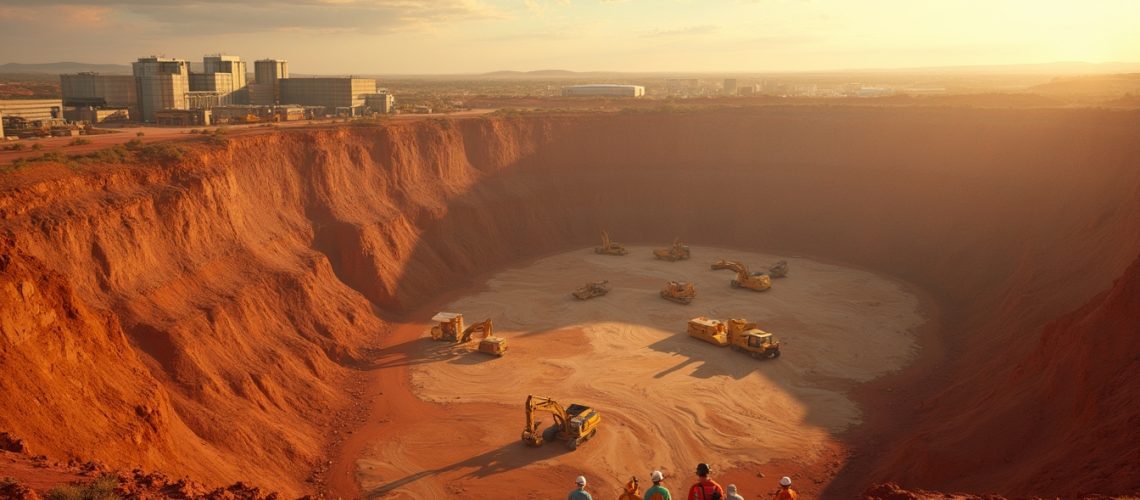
x=787 y=494
x=706 y=490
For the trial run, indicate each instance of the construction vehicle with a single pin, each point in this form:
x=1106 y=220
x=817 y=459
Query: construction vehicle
x=591 y=290
x=678 y=251
x=610 y=247
x=681 y=292
x=779 y=269
x=450 y=329
x=574 y=424
x=740 y=334
x=488 y=343
x=758 y=281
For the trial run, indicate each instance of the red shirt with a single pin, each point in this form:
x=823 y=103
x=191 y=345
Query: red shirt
x=704 y=490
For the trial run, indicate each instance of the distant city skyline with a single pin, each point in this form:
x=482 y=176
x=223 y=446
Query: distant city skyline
x=477 y=36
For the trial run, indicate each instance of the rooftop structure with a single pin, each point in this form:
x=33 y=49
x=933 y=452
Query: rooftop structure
x=604 y=89
x=267 y=74
x=232 y=88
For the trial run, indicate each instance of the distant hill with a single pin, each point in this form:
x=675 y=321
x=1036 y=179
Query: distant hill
x=1090 y=88
x=66 y=67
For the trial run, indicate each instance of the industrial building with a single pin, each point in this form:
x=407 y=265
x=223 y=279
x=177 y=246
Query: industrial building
x=162 y=83
x=91 y=114
x=729 y=86
x=266 y=89
x=32 y=109
x=336 y=95
x=380 y=102
x=604 y=89
x=98 y=91
x=183 y=117
x=232 y=66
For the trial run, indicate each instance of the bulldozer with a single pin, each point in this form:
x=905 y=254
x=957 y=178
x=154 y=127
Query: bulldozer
x=681 y=292
x=779 y=269
x=757 y=281
x=740 y=334
x=450 y=329
x=610 y=247
x=574 y=424
x=488 y=343
x=591 y=290
x=679 y=251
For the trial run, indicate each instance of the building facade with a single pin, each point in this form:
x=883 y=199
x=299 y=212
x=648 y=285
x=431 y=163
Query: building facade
x=32 y=109
x=161 y=83
x=265 y=89
x=730 y=86
x=336 y=95
x=233 y=66
x=92 y=90
x=604 y=89
x=381 y=102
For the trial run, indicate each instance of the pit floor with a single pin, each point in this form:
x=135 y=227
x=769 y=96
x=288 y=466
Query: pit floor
x=453 y=416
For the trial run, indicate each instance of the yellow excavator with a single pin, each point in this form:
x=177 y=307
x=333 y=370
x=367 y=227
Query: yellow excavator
x=574 y=424
x=450 y=329
x=591 y=290
x=741 y=334
x=488 y=343
x=758 y=281
x=610 y=247
x=681 y=292
x=679 y=251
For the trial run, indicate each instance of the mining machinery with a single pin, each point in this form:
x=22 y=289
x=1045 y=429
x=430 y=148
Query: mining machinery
x=573 y=424
x=681 y=292
x=610 y=247
x=757 y=281
x=679 y=251
x=591 y=290
x=740 y=334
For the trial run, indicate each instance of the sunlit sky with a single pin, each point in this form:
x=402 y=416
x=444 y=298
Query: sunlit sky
x=474 y=36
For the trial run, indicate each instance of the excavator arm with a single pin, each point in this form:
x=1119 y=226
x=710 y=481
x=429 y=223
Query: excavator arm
x=531 y=434
x=485 y=328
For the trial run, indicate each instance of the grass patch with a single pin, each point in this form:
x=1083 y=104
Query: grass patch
x=99 y=489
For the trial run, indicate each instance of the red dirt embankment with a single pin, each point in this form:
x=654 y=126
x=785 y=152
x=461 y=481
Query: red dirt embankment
x=201 y=317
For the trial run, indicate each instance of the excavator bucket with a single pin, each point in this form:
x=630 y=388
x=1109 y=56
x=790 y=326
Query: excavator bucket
x=681 y=292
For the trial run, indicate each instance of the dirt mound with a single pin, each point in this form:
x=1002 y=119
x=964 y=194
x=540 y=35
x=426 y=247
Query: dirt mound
x=204 y=316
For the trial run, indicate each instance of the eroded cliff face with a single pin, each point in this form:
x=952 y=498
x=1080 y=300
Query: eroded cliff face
x=203 y=316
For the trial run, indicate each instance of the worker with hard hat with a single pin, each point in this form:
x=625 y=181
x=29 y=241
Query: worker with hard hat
x=786 y=492
x=705 y=488
x=580 y=492
x=732 y=494
x=657 y=491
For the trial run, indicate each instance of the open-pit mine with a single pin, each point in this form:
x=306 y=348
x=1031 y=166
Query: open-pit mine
x=960 y=313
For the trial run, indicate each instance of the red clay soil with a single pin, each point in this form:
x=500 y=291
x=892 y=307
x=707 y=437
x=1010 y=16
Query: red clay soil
x=206 y=317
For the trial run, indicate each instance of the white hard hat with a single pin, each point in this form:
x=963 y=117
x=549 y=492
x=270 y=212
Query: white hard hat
x=785 y=481
x=656 y=476
x=581 y=481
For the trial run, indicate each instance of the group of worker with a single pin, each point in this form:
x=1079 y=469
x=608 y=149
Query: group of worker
x=704 y=489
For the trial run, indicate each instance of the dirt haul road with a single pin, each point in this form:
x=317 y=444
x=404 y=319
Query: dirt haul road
x=667 y=401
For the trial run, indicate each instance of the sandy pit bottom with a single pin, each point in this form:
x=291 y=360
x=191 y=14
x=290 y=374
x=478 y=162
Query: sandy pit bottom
x=667 y=401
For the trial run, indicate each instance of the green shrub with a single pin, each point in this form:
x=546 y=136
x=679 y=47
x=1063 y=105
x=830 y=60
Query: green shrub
x=161 y=152
x=79 y=141
x=19 y=146
x=139 y=134
x=99 y=489
x=37 y=146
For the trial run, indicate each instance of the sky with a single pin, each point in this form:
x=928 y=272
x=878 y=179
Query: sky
x=475 y=36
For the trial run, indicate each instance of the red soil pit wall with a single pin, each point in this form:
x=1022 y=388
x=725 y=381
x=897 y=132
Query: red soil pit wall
x=250 y=280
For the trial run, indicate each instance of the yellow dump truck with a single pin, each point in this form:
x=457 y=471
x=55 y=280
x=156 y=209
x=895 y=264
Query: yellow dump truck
x=740 y=334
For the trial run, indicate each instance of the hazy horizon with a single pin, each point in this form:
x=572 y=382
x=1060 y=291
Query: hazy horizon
x=441 y=37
